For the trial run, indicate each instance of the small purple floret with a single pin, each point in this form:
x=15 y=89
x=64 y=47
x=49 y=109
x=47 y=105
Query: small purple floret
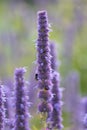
x=45 y=107
x=46 y=95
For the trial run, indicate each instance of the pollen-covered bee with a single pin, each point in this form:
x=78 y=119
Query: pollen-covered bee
x=36 y=76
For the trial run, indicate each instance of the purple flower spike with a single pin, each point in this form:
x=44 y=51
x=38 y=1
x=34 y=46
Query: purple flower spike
x=44 y=63
x=2 y=110
x=21 y=122
x=56 y=117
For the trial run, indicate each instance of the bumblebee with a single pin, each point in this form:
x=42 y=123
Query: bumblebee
x=36 y=76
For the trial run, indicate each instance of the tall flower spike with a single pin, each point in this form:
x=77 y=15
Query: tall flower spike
x=21 y=121
x=44 y=64
x=56 y=116
x=2 y=110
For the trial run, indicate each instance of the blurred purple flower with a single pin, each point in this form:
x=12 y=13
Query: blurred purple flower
x=72 y=98
x=84 y=112
x=2 y=109
x=56 y=116
x=21 y=122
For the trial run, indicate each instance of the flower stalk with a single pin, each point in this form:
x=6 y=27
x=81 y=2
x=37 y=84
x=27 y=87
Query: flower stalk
x=44 y=64
x=56 y=115
x=21 y=121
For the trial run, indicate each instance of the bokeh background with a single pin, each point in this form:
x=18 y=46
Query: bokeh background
x=18 y=33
